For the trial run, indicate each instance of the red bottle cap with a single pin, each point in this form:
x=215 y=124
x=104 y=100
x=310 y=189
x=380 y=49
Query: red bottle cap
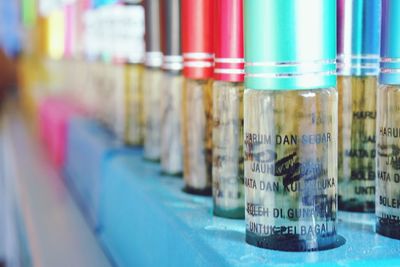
x=198 y=38
x=229 y=50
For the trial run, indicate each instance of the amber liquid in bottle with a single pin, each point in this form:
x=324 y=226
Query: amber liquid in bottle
x=291 y=168
x=171 y=110
x=357 y=120
x=388 y=162
x=227 y=135
x=151 y=97
x=134 y=119
x=197 y=135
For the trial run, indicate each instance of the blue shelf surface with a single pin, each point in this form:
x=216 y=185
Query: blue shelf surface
x=88 y=143
x=146 y=220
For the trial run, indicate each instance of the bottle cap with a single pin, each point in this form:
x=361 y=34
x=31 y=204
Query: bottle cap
x=290 y=44
x=358 y=37
x=390 y=45
x=170 y=24
x=131 y=2
x=229 y=54
x=153 y=56
x=197 y=38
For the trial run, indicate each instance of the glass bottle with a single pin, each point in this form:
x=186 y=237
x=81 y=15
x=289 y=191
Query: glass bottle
x=197 y=135
x=388 y=161
x=227 y=171
x=130 y=29
x=227 y=134
x=134 y=105
x=290 y=125
x=197 y=48
x=388 y=123
x=358 y=65
x=290 y=167
x=172 y=83
x=152 y=79
x=171 y=108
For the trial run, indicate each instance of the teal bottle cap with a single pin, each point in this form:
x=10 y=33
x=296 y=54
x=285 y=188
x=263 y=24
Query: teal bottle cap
x=290 y=44
x=359 y=23
x=390 y=49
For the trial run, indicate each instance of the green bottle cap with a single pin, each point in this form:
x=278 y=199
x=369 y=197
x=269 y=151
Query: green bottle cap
x=290 y=44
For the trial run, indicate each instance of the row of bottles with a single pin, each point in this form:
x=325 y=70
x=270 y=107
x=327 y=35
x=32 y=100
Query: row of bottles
x=263 y=152
x=240 y=96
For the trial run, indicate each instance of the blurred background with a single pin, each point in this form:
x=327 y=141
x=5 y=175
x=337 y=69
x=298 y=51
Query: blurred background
x=56 y=59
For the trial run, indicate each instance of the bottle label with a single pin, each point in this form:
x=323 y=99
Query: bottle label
x=357 y=152
x=290 y=174
x=228 y=189
x=388 y=177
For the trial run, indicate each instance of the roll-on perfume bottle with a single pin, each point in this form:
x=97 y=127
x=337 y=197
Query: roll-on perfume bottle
x=133 y=47
x=227 y=134
x=388 y=125
x=133 y=105
x=152 y=78
x=197 y=47
x=171 y=100
x=290 y=124
x=116 y=90
x=358 y=67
